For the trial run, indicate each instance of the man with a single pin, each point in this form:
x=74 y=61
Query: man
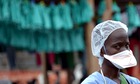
x=110 y=43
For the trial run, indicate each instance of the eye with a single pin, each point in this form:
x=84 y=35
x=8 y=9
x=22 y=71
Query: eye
x=117 y=46
x=127 y=46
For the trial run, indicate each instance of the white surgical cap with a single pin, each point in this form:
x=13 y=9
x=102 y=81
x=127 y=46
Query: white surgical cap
x=100 y=33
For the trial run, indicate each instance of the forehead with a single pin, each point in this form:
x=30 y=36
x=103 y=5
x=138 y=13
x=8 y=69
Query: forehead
x=118 y=35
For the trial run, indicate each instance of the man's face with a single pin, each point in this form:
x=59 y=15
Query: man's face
x=117 y=41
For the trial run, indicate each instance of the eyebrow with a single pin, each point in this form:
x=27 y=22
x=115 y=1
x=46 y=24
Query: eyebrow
x=120 y=41
x=117 y=40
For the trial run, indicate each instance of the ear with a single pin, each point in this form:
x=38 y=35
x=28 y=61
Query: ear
x=102 y=52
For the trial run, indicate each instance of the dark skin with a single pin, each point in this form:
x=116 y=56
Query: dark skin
x=117 y=41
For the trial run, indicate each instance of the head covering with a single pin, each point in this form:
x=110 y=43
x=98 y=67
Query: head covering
x=100 y=33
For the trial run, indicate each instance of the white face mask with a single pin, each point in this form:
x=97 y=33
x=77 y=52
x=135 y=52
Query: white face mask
x=121 y=60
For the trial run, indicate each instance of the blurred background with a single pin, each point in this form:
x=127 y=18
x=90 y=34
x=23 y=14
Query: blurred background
x=48 y=41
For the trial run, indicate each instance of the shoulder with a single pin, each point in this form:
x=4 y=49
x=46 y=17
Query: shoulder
x=131 y=80
x=93 y=78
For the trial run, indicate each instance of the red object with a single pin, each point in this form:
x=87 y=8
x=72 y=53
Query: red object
x=134 y=43
x=51 y=58
x=38 y=59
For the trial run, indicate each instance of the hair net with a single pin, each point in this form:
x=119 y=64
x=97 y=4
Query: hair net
x=100 y=33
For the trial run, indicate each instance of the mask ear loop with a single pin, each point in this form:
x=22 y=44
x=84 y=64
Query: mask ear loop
x=101 y=69
x=103 y=76
x=104 y=49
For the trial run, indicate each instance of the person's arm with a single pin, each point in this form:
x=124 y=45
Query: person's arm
x=108 y=11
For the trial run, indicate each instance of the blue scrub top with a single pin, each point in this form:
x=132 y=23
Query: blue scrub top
x=97 y=78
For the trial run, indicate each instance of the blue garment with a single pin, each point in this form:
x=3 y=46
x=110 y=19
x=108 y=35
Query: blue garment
x=97 y=78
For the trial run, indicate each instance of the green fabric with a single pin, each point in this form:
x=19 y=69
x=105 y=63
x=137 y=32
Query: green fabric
x=134 y=19
x=101 y=7
x=117 y=17
x=58 y=41
x=65 y=15
x=65 y=41
x=49 y=41
x=3 y=34
x=42 y=41
x=19 y=38
x=36 y=20
x=5 y=15
x=75 y=13
x=26 y=13
x=35 y=27
x=79 y=40
x=117 y=12
x=15 y=11
x=33 y=42
x=51 y=46
x=72 y=40
x=33 y=16
x=55 y=17
x=46 y=17
x=76 y=39
x=123 y=79
x=115 y=9
x=86 y=11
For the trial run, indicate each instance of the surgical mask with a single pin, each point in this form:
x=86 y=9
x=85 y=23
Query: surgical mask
x=121 y=60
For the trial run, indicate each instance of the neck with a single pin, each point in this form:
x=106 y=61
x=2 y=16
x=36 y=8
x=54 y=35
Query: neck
x=110 y=72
